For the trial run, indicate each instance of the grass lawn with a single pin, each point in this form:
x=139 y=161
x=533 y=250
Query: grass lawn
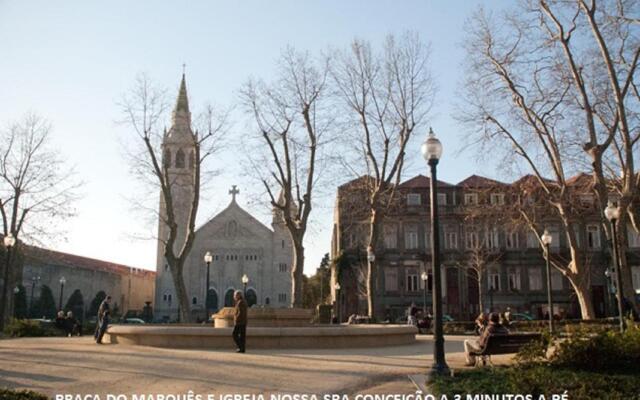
x=541 y=379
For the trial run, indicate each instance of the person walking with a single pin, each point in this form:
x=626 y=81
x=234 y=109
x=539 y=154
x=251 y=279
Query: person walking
x=104 y=312
x=240 y=322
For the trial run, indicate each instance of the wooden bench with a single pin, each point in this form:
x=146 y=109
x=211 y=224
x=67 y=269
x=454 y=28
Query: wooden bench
x=504 y=344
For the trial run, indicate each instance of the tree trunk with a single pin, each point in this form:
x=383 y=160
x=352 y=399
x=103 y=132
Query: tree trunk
x=297 y=270
x=582 y=287
x=371 y=267
x=181 y=293
x=578 y=271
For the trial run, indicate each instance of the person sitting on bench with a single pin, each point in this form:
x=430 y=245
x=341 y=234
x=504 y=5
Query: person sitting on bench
x=494 y=328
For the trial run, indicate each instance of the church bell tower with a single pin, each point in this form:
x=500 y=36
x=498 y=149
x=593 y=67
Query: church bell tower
x=178 y=158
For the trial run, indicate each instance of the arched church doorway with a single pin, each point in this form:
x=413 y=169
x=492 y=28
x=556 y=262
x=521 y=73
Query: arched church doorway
x=228 y=298
x=252 y=297
x=212 y=300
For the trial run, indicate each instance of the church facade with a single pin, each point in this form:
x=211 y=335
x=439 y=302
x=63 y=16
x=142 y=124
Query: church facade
x=239 y=243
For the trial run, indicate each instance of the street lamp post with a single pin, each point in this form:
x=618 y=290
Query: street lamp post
x=337 y=289
x=424 y=278
x=16 y=290
x=207 y=259
x=245 y=280
x=612 y=213
x=432 y=151
x=546 y=240
x=9 y=242
x=611 y=300
x=62 y=282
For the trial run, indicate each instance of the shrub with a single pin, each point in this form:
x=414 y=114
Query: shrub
x=31 y=328
x=534 y=352
x=45 y=306
x=24 y=328
x=458 y=327
x=75 y=304
x=604 y=351
x=536 y=380
x=8 y=394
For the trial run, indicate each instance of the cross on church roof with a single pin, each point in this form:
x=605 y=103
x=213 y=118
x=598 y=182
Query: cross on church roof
x=233 y=192
x=184 y=67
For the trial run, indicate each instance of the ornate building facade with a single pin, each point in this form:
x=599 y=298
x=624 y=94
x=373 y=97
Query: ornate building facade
x=515 y=275
x=239 y=243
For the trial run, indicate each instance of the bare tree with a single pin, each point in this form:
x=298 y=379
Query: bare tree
x=598 y=48
x=293 y=118
x=478 y=258
x=37 y=189
x=550 y=83
x=387 y=96
x=481 y=218
x=144 y=108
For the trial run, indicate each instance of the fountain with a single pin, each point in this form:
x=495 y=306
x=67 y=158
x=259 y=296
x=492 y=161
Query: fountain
x=268 y=328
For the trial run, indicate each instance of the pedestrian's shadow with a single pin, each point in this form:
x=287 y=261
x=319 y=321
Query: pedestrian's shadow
x=38 y=377
x=12 y=379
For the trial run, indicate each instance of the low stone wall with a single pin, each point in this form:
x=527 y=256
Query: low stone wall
x=198 y=336
x=266 y=317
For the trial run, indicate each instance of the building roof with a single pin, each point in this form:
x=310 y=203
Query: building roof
x=71 y=260
x=477 y=181
x=531 y=179
x=421 y=181
x=234 y=207
x=581 y=180
x=356 y=181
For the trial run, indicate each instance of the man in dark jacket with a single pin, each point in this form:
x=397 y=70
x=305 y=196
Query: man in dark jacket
x=240 y=322
x=104 y=312
x=494 y=328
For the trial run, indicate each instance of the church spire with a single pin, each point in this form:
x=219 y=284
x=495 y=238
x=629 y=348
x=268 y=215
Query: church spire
x=181 y=113
x=183 y=102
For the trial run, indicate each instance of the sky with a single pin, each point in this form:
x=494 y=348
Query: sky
x=72 y=61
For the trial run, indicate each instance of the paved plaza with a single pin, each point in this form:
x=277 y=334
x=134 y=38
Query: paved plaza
x=77 y=365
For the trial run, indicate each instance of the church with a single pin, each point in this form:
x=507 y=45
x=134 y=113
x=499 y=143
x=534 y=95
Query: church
x=240 y=245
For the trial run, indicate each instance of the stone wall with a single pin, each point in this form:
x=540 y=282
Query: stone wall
x=129 y=287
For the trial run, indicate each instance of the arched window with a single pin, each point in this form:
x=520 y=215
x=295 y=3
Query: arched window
x=212 y=300
x=167 y=297
x=252 y=297
x=167 y=158
x=180 y=159
x=228 y=298
x=194 y=300
x=267 y=301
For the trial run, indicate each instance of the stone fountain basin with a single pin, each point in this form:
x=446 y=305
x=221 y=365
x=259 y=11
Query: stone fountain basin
x=266 y=317
x=207 y=337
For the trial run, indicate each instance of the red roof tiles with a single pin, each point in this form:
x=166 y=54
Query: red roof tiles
x=71 y=260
